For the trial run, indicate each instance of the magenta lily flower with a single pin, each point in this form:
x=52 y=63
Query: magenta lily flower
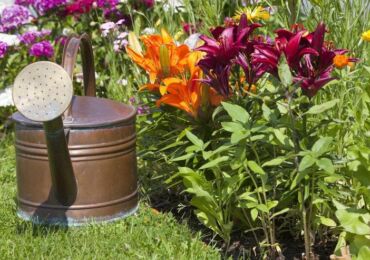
x=309 y=59
x=221 y=51
x=252 y=71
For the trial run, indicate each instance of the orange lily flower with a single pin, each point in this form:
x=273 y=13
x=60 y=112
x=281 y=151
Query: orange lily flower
x=162 y=58
x=189 y=95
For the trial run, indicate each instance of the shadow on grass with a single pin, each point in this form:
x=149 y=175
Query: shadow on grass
x=39 y=230
x=44 y=221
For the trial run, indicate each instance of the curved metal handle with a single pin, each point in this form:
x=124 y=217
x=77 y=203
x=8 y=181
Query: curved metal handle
x=69 y=61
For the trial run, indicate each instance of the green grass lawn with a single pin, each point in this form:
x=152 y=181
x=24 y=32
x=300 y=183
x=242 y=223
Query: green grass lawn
x=146 y=235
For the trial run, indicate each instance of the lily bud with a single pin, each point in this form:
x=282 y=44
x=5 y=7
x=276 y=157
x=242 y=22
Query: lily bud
x=164 y=59
x=134 y=43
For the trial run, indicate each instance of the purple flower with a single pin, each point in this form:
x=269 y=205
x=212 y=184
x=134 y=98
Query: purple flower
x=110 y=10
x=107 y=28
x=62 y=39
x=42 y=6
x=3 y=49
x=113 y=14
x=24 y=2
x=132 y=100
x=107 y=3
x=119 y=45
x=42 y=49
x=142 y=110
x=218 y=78
x=14 y=16
x=121 y=42
x=31 y=37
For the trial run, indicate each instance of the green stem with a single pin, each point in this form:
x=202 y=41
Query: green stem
x=260 y=201
x=270 y=227
x=250 y=224
x=307 y=240
x=306 y=229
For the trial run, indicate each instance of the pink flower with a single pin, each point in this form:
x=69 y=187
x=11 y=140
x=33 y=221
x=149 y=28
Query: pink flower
x=42 y=6
x=42 y=49
x=31 y=37
x=14 y=16
x=24 y=2
x=62 y=39
x=79 y=7
x=3 y=49
x=107 y=28
x=188 y=28
x=107 y=3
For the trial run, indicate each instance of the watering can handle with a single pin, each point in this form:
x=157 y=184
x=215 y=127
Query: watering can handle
x=69 y=61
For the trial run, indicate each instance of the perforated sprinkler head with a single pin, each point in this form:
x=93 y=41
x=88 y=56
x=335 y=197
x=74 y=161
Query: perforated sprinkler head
x=42 y=91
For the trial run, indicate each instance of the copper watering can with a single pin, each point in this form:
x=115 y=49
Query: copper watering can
x=75 y=155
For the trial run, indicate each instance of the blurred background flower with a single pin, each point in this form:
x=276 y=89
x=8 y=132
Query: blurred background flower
x=366 y=36
x=33 y=36
x=43 y=6
x=6 y=98
x=42 y=49
x=3 y=49
x=14 y=16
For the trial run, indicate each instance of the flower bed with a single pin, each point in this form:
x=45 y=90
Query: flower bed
x=254 y=116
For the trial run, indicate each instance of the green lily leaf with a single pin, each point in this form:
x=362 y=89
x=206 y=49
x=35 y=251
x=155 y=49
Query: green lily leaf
x=194 y=139
x=237 y=113
x=352 y=221
x=322 y=107
x=326 y=165
x=321 y=146
x=275 y=162
x=306 y=162
x=232 y=127
x=214 y=162
x=327 y=221
x=364 y=253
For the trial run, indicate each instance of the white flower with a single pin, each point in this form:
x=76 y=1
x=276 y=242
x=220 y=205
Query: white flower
x=67 y=31
x=122 y=82
x=192 y=40
x=148 y=30
x=175 y=5
x=11 y=40
x=6 y=98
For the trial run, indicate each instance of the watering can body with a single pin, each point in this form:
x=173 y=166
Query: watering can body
x=100 y=150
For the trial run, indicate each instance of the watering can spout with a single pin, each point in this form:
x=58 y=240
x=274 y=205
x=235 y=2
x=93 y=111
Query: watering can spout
x=61 y=169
